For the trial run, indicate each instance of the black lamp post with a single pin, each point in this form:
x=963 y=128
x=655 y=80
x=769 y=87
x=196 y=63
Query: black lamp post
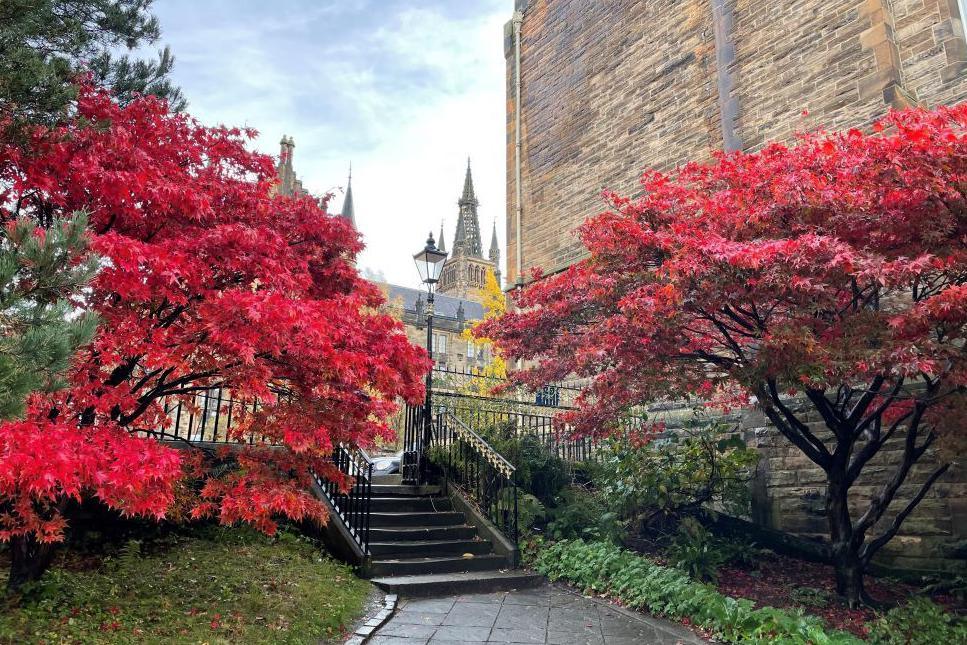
x=429 y=262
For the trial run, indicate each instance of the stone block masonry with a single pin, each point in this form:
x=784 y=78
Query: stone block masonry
x=788 y=492
x=611 y=88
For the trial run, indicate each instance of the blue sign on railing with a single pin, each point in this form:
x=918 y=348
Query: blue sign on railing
x=548 y=396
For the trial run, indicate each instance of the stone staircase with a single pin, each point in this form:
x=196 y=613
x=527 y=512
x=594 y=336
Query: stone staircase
x=420 y=546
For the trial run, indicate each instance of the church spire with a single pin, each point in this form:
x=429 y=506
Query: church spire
x=348 y=212
x=495 y=253
x=467 y=238
x=468 y=196
x=443 y=243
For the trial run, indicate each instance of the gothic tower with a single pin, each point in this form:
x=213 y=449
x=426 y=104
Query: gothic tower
x=289 y=184
x=465 y=272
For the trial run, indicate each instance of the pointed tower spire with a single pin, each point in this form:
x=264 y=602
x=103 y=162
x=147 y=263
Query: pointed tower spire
x=495 y=253
x=494 y=246
x=443 y=242
x=468 y=196
x=348 y=212
x=467 y=238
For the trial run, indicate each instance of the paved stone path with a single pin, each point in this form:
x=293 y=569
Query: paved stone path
x=550 y=614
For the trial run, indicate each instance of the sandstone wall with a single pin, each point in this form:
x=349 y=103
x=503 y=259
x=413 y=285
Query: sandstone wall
x=609 y=88
x=789 y=494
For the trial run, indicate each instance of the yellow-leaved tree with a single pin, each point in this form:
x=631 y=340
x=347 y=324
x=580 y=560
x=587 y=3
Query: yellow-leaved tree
x=495 y=370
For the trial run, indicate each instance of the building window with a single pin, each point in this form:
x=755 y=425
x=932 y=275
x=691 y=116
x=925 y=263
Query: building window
x=439 y=344
x=470 y=349
x=962 y=4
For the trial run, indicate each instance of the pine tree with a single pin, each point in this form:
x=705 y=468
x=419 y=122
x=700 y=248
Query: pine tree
x=45 y=44
x=41 y=273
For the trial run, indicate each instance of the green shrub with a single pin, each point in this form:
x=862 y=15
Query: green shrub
x=539 y=472
x=640 y=583
x=696 y=552
x=679 y=473
x=919 y=622
x=530 y=511
x=583 y=513
x=699 y=553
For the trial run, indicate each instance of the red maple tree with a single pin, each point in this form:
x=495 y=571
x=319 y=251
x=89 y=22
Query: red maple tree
x=826 y=280
x=209 y=279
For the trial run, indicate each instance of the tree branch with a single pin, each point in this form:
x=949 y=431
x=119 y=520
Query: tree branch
x=911 y=453
x=796 y=423
x=854 y=415
x=876 y=414
x=871 y=547
x=791 y=428
x=872 y=447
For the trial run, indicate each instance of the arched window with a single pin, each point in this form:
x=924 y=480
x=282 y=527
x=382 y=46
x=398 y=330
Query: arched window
x=962 y=4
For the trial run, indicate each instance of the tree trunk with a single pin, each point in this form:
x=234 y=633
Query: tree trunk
x=29 y=560
x=849 y=580
x=846 y=550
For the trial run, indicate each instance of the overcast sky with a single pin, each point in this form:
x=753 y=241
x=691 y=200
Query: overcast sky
x=405 y=89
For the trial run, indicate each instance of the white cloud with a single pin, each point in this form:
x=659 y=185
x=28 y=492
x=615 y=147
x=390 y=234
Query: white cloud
x=406 y=99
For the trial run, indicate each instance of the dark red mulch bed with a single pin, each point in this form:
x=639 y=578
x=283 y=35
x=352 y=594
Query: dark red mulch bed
x=779 y=581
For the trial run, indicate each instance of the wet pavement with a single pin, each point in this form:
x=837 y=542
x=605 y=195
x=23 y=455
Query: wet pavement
x=551 y=615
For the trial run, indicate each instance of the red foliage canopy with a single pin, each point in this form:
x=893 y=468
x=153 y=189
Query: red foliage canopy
x=836 y=262
x=209 y=279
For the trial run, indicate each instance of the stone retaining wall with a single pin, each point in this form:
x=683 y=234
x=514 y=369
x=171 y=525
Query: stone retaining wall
x=789 y=494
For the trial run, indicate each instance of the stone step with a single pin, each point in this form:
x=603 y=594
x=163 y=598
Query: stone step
x=410 y=533
x=391 y=567
x=441 y=584
x=428 y=548
x=408 y=504
x=391 y=480
x=446 y=518
x=398 y=490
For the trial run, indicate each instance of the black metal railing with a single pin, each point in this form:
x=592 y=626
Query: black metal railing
x=413 y=460
x=475 y=468
x=556 y=437
x=352 y=505
x=462 y=379
x=212 y=416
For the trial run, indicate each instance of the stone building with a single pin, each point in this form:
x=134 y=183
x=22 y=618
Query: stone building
x=290 y=184
x=451 y=316
x=602 y=90
x=465 y=272
x=610 y=88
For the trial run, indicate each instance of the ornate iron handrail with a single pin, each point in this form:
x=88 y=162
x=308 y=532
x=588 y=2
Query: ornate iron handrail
x=353 y=505
x=478 y=470
x=519 y=421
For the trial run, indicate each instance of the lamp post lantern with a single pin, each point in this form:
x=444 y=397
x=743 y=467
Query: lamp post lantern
x=429 y=262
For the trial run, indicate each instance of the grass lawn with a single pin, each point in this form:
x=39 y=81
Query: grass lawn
x=209 y=585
